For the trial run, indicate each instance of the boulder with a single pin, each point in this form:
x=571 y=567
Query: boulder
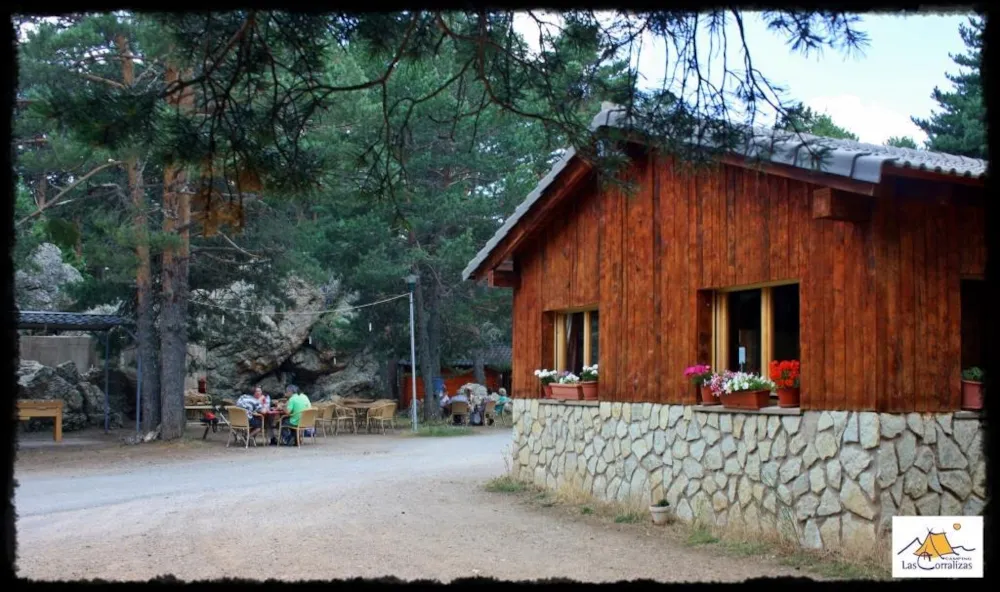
x=233 y=363
x=83 y=402
x=40 y=284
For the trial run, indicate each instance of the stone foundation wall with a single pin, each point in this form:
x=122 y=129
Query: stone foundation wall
x=824 y=477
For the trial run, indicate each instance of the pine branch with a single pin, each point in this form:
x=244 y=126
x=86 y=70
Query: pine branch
x=55 y=200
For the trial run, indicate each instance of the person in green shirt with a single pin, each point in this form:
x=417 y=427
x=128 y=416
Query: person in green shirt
x=296 y=404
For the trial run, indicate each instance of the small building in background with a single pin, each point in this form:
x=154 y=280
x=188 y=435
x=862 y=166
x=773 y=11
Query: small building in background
x=455 y=373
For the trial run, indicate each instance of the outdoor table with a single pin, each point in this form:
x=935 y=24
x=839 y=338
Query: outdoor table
x=31 y=408
x=360 y=409
x=268 y=419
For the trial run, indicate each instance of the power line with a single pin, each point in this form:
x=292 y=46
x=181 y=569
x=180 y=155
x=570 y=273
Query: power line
x=307 y=312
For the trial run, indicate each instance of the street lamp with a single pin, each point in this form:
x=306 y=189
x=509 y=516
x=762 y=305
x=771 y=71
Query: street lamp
x=411 y=283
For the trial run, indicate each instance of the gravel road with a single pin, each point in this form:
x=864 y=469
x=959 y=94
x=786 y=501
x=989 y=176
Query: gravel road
x=351 y=506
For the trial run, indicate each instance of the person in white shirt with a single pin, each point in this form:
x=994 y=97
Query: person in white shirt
x=445 y=404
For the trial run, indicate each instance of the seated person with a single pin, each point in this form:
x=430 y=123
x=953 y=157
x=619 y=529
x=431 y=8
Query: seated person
x=264 y=400
x=251 y=405
x=502 y=400
x=461 y=397
x=296 y=404
x=445 y=404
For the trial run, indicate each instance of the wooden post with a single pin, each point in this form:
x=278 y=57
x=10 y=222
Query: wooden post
x=586 y=338
x=766 y=329
x=560 y=342
x=721 y=332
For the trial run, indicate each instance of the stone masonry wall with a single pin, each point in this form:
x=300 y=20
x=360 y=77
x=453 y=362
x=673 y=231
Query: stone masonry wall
x=824 y=477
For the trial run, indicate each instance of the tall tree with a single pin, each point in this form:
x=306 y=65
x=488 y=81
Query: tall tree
x=901 y=142
x=960 y=125
x=802 y=119
x=256 y=84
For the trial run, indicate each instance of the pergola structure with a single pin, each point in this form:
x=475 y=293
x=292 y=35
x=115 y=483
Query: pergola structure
x=78 y=321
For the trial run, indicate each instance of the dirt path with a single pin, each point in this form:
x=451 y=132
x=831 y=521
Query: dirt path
x=355 y=506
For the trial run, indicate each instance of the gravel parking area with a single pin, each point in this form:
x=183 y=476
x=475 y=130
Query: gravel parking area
x=349 y=506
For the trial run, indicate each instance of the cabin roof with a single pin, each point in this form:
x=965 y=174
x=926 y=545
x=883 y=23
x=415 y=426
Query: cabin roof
x=67 y=321
x=842 y=158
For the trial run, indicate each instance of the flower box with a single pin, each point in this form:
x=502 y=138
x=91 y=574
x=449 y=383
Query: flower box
x=706 y=397
x=568 y=392
x=589 y=390
x=547 y=391
x=746 y=399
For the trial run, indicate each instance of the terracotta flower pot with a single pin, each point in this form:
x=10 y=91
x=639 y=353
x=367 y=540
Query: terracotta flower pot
x=589 y=390
x=568 y=392
x=706 y=397
x=788 y=397
x=745 y=399
x=972 y=395
x=547 y=391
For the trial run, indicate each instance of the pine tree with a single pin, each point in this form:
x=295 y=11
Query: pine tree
x=959 y=127
x=901 y=142
x=802 y=119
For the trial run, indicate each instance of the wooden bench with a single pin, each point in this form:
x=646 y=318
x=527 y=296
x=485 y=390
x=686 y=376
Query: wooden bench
x=33 y=408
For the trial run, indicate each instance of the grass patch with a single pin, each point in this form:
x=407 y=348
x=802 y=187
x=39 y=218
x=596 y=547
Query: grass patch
x=831 y=566
x=506 y=484
x=745 y=549
x=701 y=535
x=586 y=510
x=629 y=517
x=442 y=431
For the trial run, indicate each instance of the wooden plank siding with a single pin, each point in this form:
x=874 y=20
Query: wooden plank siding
x=879 y=299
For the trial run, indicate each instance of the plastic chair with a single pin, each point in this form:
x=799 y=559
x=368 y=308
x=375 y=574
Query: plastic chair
x=461 y=410
x=490 y=413
x=306 y=421
x=239 y=427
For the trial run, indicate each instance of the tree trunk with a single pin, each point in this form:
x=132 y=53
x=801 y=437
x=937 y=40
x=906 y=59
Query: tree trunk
x=434 y=324
x=427 y=369
x=145 y=322
x=174 y=281
x=478 y=367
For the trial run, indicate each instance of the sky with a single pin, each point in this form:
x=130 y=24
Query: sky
x=872 y=94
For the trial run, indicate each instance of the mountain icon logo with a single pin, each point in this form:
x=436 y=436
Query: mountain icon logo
x=934 y=546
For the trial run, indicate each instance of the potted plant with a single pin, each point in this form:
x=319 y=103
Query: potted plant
x=547 y=377
x=660 y=511
x=699 y=375
x=972 y=388
x=588 y=383
x=785 y=375
x=742 y=390
x=566 y=386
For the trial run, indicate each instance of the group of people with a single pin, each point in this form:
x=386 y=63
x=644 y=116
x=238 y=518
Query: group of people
x=291 y=407
x=476 y=403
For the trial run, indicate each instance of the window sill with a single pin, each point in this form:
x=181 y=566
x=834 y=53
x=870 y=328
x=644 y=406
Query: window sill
x=770 y=410
x=970 y=414
x=569 y=403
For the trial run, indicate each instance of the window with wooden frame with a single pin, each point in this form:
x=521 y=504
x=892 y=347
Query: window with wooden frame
x=973 y=312
x=750 y=327
x=575 y=340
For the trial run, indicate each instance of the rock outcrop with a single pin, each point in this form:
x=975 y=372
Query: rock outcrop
x=83 y=400
x=277 y=351
x=40 y=284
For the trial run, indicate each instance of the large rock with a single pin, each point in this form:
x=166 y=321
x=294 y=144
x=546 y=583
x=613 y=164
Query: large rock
x=40 y=285
x=360 y=378
x=83 y=402
x=234 y=363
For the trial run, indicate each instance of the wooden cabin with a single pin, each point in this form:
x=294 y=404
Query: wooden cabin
x=867 y=267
